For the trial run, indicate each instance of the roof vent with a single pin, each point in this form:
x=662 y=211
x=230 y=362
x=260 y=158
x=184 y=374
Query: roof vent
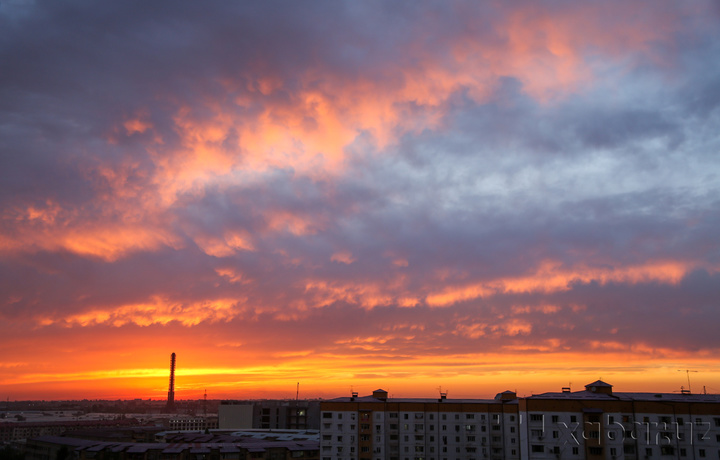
x=566 y=389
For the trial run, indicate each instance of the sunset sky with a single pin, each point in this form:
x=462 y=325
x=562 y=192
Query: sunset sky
x=407 y=195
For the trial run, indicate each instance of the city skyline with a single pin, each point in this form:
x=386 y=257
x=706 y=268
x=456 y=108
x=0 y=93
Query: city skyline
x=358 y=195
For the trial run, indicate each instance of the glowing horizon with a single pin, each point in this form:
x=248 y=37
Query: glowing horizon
x=475 y=196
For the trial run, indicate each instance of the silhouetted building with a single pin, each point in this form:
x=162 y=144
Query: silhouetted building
x=270 y=414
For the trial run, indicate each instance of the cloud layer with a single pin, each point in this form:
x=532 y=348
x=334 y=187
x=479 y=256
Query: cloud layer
x=416 y=188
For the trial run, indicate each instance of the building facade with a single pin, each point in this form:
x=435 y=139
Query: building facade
x=377 y=428
x=593 y=424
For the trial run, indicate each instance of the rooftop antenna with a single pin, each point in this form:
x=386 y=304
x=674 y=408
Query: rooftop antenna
x=205 y=404
x=687 y=371
x=297 y=392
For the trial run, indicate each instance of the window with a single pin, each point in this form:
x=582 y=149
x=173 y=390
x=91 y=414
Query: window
x=648 y=451
x=469 y=416
x=327 y=414
x=629 y=449
x=613 y=452
x=555 y=419
x=576 y=451
x=667 y=450
x=683 y=452
x=538 y=448
x=573 y=419
x=595 y=450
x=701 y=453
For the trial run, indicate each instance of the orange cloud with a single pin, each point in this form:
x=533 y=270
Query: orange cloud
x=552 y=277
x=158 y=311
x=344 y=257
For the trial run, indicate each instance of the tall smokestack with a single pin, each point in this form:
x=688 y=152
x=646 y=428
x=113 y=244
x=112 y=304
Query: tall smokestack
x=171 y=388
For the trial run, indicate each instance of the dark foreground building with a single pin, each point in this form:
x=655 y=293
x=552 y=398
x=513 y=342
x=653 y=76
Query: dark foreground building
x=179 y=446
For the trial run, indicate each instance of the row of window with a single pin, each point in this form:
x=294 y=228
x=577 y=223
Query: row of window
x=415 y=416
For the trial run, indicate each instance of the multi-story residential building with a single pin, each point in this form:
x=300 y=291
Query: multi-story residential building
x=599 y=424
x=378 y=428
x=593 y=424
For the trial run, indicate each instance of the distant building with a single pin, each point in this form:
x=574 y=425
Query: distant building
x=234 y=415
x=595 y=424
x=13 y=431
x=190 y=423
x=270 y=414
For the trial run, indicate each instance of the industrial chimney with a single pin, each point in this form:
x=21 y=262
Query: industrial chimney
x=171 y=388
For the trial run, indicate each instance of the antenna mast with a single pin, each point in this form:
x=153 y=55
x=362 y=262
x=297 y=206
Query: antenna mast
x=687 y=371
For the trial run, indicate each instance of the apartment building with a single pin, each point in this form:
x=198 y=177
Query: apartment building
x=378 y=428
x=599 y=424
x=594 y=424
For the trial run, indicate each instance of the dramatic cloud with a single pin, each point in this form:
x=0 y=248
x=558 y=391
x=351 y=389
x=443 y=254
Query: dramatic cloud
x=481 y=195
